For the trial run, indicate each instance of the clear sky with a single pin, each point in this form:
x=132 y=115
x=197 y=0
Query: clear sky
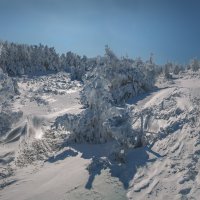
x=168 y=28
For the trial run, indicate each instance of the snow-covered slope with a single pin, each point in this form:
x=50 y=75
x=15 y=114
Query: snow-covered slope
x=172 y=170
x=37 y=163
x=27 y=115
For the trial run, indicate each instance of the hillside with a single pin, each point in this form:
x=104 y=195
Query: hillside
x=37 y=162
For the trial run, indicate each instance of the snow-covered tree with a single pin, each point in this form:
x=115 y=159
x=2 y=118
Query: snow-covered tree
x=167 y=69
x=194 y=65
x=177 y=69
x=18 y=59
x=106 y=89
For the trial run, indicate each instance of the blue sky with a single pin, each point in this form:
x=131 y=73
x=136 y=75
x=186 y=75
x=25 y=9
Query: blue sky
x=168 y=28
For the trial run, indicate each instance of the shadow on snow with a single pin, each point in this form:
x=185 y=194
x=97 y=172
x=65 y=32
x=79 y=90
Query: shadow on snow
x=63 y=155
x=101 y=160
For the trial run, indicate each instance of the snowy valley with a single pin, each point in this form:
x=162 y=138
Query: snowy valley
x=97 y=128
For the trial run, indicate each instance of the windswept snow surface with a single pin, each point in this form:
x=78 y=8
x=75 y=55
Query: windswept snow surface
x=167 y=167
x=172 y=170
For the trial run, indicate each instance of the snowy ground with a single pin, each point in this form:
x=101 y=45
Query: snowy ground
x=167 y=169
x=174 y=173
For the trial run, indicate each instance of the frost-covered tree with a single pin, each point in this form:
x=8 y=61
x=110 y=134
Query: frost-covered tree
x=177 y=69
x=8 y=89
x=194 y=65
x=167 y=70
x=106 y=89
x=18 y=59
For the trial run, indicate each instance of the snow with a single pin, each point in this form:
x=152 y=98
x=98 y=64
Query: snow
x=65 y=179
x=39 y=161
x=174 y=174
